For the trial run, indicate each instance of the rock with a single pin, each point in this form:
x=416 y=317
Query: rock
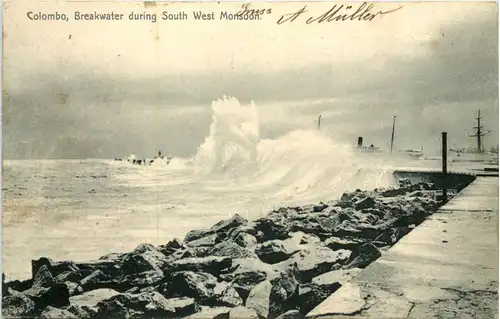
x=142 y=267
x=272 y=252
x=284 y=294
x=171 y=247
x=73 y=288
x=45 y=292
x=142 y=280
x=56 y=296
x=96 y=280
x=223 y=226
x=367 y=202
x=184 y=306
x=43 y=278
x=16 y=304
x=18 y=285
x=108 y=267
x=349 y=243
x=151 y=304
x=90 y=299
x=143 y=258
x=291 y=314
x=244 y=282
x=55 y=268
x=363 y=256
x=68 y=276
x=273 y=226
x=190 y=284
x=258 y=298
x=272 y=298
x=245 y=240
x=55 y=313
x=311 y=295
x=212 y=265
x=245 y=265
x=206 y=241
x=226 y=296
x=232 y=250
x=315 y=260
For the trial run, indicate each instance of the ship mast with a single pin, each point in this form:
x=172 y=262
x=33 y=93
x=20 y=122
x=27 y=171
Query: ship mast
x=479 y=133
x=392 y=136
x=319 y=122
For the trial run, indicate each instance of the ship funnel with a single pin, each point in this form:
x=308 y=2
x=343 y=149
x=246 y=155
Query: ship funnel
x=360 y=142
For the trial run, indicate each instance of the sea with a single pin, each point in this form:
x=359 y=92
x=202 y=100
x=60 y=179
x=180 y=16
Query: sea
x=82 y=209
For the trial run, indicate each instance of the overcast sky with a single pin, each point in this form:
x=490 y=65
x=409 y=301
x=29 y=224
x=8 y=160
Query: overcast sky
x=108 y=89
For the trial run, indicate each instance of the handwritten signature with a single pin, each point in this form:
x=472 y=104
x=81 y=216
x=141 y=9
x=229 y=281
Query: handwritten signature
x=247 y=10
x=339 y=13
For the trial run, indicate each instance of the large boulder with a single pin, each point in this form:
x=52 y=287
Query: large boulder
x=184 y=306
x=16 y=304
x=45 y=292
x=18 y=285
x=363 y=256
x=54 y=267
x=244 y=239
x=244 y=282
x=284 y=294
x=272 y=252
x=275 y=297
x=222 y=227
x=171 y=247
x=313 y=260
x=246 y=265
x=206 y=241
x=258 y=298
x=145 y=305
x=199 y=286
x=230 y=249
x=110 y=267
x=274 y=226
x=144 y=257
x=225 y=295
x=90 y=299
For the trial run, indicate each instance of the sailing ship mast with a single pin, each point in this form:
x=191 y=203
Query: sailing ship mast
x=392 y=136
x=479 y=133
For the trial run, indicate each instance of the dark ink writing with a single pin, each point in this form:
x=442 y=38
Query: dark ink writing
x=339 y=13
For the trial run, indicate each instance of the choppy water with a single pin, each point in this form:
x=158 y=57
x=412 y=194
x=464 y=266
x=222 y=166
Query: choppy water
x=83 y=209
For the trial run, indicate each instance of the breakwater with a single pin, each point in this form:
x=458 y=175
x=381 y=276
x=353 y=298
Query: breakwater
x=278 y=266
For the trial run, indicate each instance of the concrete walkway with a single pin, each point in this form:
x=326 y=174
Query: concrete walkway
x=445 y=268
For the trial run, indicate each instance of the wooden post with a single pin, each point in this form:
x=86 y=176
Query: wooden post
x=445 y=166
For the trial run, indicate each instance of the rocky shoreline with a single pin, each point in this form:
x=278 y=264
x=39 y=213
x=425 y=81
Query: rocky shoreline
x=279 y=266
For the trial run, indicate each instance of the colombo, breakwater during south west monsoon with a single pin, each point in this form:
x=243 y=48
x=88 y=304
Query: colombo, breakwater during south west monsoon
x=152 y=17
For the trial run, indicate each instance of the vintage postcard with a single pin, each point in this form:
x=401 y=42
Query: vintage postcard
x=249 y=160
